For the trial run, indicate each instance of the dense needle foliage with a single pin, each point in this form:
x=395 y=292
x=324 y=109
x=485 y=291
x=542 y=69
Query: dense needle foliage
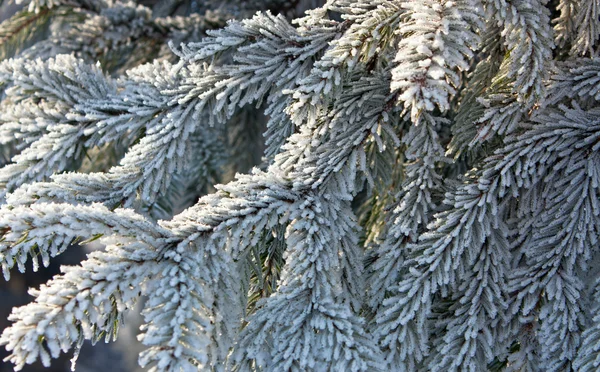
x=295 y=185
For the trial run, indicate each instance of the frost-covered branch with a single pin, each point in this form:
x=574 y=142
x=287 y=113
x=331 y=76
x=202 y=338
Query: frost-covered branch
x=85 y=302
x=311 y=295
x=359 y=102
x=459 y=237
x=520 y=81
x=415 y=206
x=438 y=43
x=527 y=36
x=588 y=28
x=51 y=90
x=588 y=356
x=48 y=229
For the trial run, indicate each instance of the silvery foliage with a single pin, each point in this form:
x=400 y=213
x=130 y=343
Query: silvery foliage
x=468 y=130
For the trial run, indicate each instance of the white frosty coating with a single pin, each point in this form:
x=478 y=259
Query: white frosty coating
x=588 y=355
x=527 y=35
x=369 y=31
x=47 y=229
x=463 y=235
x=502 y=261
x=555 y=243
x=413 y=212
x=466 y=136
x=85 y=302
x=270 y=51
x=437 y=44
x=587 y=22
x=310 y=326
x=519 y=83
x=121 y=34
x=576 y=78
x=235 y=224
x=61 y=83
x=170 y=102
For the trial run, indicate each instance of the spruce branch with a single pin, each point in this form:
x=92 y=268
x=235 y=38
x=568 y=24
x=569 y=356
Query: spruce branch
x=438 y=43
x=414 y=207
x=360 y=103
x=40 y=230
x=589 y=354
x=54 y=142
x=575 y=79
x=565 y=24
x=85 y=302
x=342 y=342
x=588 y=28
x=21 y=29
x=527 y=37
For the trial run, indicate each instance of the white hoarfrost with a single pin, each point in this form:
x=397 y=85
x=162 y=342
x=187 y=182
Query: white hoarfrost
x=349 y=239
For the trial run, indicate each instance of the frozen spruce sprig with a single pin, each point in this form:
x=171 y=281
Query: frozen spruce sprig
x=41 y=121
x=355 y=244
x=527 y=36
x=525 y=65
x=88 y=111
x=270 y=47
x=414 y=209
x=323 y=332
x=41 y=232
x=169 y=103
x=588 y=356
x=588 y=27
x=438 y=42
x=232 y=219
x=555 y=247
x=365 y=37
x=85 y=302
x=464 y=231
